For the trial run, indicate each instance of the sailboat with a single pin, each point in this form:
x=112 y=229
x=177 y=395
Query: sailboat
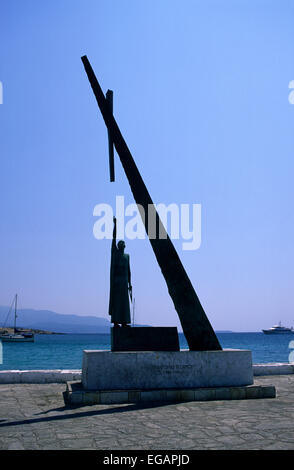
x=18 y=336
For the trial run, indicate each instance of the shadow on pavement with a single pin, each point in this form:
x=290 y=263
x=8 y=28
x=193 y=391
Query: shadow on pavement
x=82 y=414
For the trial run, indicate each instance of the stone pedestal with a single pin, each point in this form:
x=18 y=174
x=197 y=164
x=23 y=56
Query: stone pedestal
x=108 y=370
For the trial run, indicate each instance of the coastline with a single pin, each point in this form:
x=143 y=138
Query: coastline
x=10 y=331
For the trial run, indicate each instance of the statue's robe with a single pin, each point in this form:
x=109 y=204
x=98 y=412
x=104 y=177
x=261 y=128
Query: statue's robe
x=119 y=305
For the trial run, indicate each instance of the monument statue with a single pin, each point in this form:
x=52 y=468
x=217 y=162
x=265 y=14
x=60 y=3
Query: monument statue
x=196 y=326
x=120 y=283
x=148 y=360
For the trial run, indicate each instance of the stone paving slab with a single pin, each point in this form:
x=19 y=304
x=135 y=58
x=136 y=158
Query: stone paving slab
x=34 y=416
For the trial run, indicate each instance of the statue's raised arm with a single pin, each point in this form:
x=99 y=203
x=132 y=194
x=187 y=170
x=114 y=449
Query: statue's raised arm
x=113 y=246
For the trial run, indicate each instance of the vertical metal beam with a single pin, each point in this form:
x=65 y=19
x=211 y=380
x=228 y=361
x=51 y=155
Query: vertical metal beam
x=109 y=99
x=196 y=326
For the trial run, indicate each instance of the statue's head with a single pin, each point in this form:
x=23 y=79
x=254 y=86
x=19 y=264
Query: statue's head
x=121 y=245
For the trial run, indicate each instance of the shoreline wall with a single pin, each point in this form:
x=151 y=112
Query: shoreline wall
x=70 y=375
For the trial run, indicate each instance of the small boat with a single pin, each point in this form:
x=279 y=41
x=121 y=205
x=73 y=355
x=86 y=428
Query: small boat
x=18 y=336
x=279 y=330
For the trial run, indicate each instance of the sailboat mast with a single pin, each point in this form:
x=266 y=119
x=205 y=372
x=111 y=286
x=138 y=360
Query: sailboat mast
x=15 y=309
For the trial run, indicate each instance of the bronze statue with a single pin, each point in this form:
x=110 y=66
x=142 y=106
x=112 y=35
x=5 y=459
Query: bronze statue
x=120 y=283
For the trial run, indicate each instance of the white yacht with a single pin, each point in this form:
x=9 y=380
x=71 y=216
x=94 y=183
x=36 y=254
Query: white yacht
x=279 y=330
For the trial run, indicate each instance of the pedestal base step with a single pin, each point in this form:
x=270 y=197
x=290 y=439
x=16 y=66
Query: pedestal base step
x=75 y=394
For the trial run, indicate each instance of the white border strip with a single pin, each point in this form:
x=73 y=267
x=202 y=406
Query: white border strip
x=277 y=368
x=64 y=375
x=39 y=376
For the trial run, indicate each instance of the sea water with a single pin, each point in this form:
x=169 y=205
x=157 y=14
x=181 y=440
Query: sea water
x=66 y=351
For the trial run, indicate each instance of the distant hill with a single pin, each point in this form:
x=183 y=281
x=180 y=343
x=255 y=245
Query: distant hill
x=57 y=322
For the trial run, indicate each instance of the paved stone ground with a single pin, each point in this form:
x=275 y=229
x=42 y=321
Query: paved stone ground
x=35 y=417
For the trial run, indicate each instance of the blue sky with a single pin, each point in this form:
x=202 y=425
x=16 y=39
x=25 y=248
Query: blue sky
x=201 y=97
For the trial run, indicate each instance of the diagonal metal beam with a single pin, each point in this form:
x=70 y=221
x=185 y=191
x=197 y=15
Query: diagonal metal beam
x=196 y=326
